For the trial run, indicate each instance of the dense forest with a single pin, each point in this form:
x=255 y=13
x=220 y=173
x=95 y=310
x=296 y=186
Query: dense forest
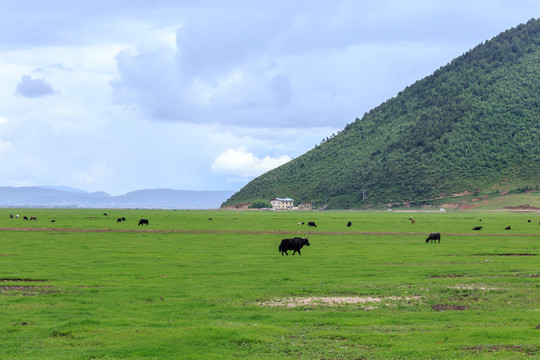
x=473 y=125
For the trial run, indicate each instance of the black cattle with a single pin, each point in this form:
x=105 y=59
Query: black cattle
x=11 y=217
x=349 y=224
x=529 y=220
x=119 y=220
x=312 y=223
x=507 y=228
x=434 y=237
x=292 y=244
x=123 y=218
x=477 y=228
x=53 y=220
x=25 y=217
x=143 y=222
x=104 y=214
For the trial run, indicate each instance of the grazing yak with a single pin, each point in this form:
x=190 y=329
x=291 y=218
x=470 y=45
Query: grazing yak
x=33 y=218
x=119 y=220
x=292 y=244
x=434 y=237
x=301 y=223
x=312 y=223
x=143 y=222
x=477 y=228
x=349 y=224
x=507 y=228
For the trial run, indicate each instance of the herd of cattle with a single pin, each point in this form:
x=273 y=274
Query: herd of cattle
x=24 y=217
x=295 y=244
x=120 y=219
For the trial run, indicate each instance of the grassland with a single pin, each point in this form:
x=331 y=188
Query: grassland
x=187 y=287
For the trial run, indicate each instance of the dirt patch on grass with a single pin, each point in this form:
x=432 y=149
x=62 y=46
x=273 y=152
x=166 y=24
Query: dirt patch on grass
x=18 y=290
x=468 y=206
x=506 y=254
x=447 y=307
x=521 y=207
x=21 y=280
x=446 y=276
x=474 y=287
x=292 y=302
x=527 y=349
x=451 y=276
x=271 y=232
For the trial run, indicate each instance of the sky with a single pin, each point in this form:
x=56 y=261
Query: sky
x=124 y=95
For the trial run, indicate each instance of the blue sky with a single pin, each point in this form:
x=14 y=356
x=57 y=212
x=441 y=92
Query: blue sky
x=118 y=95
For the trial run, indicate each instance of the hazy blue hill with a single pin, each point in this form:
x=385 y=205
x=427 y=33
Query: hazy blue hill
x=159 y=198
x=473 y=125
x=167 y=198
x=63 y=188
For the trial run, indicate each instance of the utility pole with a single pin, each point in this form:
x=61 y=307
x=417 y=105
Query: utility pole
x=364 y=196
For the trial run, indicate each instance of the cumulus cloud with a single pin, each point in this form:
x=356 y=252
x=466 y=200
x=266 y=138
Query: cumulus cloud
x=33 y=88
x=241 y=163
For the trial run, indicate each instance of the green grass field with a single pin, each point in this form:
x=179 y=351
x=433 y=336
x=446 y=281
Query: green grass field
x=187 y=287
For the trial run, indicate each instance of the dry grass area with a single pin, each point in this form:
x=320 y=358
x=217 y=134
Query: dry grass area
x=292 y=302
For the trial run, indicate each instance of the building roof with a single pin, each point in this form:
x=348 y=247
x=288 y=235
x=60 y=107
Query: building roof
x=283 y=199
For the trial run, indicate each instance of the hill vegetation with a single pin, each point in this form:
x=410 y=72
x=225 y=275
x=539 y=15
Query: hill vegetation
x=472 y=127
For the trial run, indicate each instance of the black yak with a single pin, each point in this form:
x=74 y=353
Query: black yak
x=292 y=244
x=434 y=236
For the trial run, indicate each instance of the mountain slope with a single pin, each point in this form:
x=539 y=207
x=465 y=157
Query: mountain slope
x=473 y=125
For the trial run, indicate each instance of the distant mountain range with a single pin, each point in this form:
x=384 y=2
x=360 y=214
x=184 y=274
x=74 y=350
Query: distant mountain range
x=66 y=197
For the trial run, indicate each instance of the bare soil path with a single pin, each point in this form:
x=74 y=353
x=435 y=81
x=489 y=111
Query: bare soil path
x=209 y=231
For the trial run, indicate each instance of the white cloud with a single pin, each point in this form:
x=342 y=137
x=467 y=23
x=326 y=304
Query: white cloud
x=241 y=163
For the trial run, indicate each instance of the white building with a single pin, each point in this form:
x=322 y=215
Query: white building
x=282 y=203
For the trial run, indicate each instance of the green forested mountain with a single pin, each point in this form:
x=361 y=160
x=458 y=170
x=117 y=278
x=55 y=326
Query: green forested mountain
x=473 y=125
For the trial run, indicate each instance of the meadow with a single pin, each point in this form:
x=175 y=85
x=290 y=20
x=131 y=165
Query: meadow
x=212 y=285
